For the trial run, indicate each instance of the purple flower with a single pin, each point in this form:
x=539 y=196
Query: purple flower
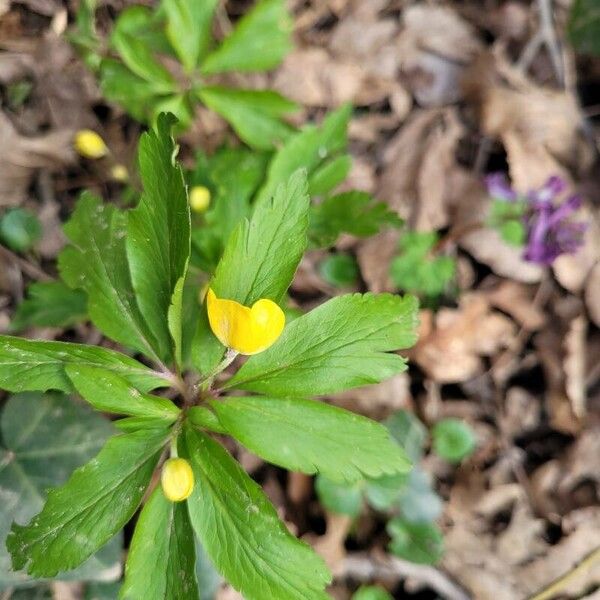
x=550 y=233
x=498 y=187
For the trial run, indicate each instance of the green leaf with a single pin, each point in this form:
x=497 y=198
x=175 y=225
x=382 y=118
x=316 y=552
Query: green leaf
x=584 y=26
x=254 y=114
x=259 y=42
x=158 y=236
x=357 y=213
x=371 y=592
x=203 y=417
x=188 y=28
x=177 y=104
x=409 y=432
x=417 y=270
x=309 y=149
x=242 y=534
x=50 y=304
x=138 y=56
x=269 y=247
x=339 y=270
x=206 y=574
x=135 y=94
x=161 y=559
x=40 y=365
x=417 y=499
x=417 y=542
x=312 y=437
x=347 y=342
x=513 y=232
x=102 y=591
x=109 y=392
x=146 y=25
x=340 y=498
x=383 y=493
x=35 y=456
x=94 y=504
x=96 y=262
x=453 y=439
x=330 y=175
x=19 y=229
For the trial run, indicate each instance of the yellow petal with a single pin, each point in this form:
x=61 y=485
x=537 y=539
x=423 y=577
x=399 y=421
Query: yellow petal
x=245 y=330
x=89 y=144
x=177 y=479
x=199 y=198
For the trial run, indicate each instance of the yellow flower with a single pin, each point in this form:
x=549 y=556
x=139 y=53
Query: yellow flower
x=89 y=144
x=245 y=330
x=177 y=479
x=199 y=198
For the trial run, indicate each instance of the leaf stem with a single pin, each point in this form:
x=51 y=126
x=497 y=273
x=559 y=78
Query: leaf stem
x=207 y=382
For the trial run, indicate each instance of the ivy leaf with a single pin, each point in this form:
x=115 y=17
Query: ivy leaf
x=35 y=457
x=312 y=148
x=158 y=235
x=341 y=498
x=50 y=304
x=97 y=263
x=40 y=365
x=421 y=543
x=188 y=28
x=94 y=504
x=312 y=437
x=255 y=115
x=269 y=246
x=241 y=533
x=161 y=562
x=356 y=213
x=249 y=47
x=109 y=392
x=346 y=342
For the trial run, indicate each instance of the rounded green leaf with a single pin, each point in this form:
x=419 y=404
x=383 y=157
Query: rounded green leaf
x=339 y=270
x=19 y=229
x=453 y=439
x=417 y=542
x=371 y=592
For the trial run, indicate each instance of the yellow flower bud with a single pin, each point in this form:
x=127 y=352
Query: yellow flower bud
x=199 y=198
x=89 y=144
x=119 y=173
x=177 y=479
x=245 y=330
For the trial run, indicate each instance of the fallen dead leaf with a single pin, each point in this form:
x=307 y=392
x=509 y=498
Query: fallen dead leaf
x=575 y=367
x=592 y=294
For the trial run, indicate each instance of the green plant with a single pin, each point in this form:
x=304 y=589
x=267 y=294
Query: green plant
x=19 y=229
x=166 y=60
x=407 y=499
x=134 y=268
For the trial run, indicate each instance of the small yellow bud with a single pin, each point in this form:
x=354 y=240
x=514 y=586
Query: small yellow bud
x=177 y=479
x=243 y=329
x=120 y=173
x=89 y=144
x=199 y=198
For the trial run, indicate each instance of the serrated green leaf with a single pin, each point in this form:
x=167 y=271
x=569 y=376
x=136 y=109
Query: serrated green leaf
x=94 y=504
x=109 y=392
x=417 y=542
x=161 y=561
x=309 y=149
x=19 y=229
x=255 y=115
x=330 y=175
x=312 y=437
x=188 y=28
x=453 y=439
x=158 y=235
x=584 y=26
x=40 y=365
x=260 y=259
x=259 y=42
x=241 y=532
x=35 y=456
x=50 y=304
x=97 y=263
x=356 y=213
x=177 y=104
x=340 y=498
x=371 y=592
x=137 y=54
x=347 y=342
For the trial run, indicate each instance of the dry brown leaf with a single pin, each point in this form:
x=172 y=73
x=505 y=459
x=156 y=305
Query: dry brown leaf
x=374 y=256
x=592 y=294
x=575 y=367
x=452 y=344
x=522 y=412
x=21 y=156
x=435 y=45
x=516 y=299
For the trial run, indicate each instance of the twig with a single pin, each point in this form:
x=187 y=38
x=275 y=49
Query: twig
x=29 y=268
x=561 y=582
x=367 y=568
